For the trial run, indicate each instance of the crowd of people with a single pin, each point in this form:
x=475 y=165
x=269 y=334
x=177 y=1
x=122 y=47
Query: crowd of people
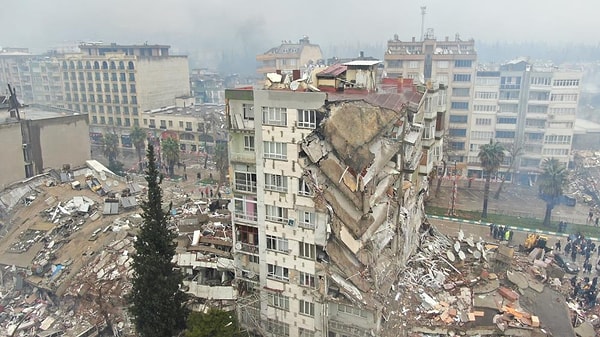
x=502 y=233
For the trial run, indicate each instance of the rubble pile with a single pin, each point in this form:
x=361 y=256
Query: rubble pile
x=463 y=285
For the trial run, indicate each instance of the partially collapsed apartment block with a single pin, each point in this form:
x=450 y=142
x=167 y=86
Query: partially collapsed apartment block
x=329 y=172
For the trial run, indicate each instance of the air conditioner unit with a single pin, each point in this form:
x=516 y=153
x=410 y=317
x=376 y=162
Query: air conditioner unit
x=24 y=146
x=291 y=222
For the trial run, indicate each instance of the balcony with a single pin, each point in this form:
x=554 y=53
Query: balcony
x=245 y=186
x=211 y=292
x=243 y=157
x=245 y=216
x=247 y=247
x=412 y=161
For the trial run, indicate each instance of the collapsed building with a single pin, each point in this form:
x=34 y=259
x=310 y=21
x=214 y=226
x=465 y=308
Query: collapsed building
x=328 y=179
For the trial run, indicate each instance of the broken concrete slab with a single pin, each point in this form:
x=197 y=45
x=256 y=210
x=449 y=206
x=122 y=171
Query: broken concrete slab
x=517 y=278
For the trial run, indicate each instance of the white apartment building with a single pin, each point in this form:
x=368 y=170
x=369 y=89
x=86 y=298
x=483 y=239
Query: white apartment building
x=448 y=62
x=323 y=185
x=530 y=105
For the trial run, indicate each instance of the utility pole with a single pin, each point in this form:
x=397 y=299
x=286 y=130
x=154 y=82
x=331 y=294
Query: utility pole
x=451 y=210
x=423 y=12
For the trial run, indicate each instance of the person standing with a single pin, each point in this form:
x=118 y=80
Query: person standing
x=557 y=246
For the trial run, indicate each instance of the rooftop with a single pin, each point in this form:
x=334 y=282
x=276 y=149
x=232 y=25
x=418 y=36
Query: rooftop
x=32 y=113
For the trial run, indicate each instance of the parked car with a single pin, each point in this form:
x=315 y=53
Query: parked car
x=566 y=265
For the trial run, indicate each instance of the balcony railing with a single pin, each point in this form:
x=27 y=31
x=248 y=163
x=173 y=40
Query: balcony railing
x=249 y=248
x=246 y=216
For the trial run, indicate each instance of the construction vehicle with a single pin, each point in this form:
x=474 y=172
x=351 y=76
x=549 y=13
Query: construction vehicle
x=535 y=241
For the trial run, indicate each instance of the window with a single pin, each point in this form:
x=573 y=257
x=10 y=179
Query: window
x=245 y=181
x=555 y=152
x=277 y=214
x=124 y=99
x=457 y=146
x=307 y=250
x=307 y=219
x=278 y=272
x=307 y=308
x=554 y=139
x=506 y=120
x=443 y=64
x=248 y=111
x=277 y=328
x=460 y=92
x=505 y=134
x=132 y=79
x=563 y=111
x=413 y=64
x=463 y=63
x=394 y=63
x=485 y=108
x=303 y=188
x=248 y=142
x=563 y=97
x=307 y=280
x=458 y=119
x=486 y=95
x=351 y=310
x=245 y=207
x=459 y=105
x=544 y=81
x=276 y=182
x=275 y=150
x=457 y=132
x=133 y=100
x=565 y=83
x=279 y=301
x=537 y=108
x=305 y=333
x=483 y=121
x=307 y=119
x=277 y=243
x=442 y=79
x=274 y=116
x=462 y=77
x=482 y=135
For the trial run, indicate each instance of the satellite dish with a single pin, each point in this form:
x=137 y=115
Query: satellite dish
x=238 y=246
x=115 y=183
x=457 y=246
x=461 y=255
x=461 y=235
x=470 y=241
x=251 y=274
x=294 y=85
x=450 y=256
x=479 y=246
x=477 y=254
x=484 y=255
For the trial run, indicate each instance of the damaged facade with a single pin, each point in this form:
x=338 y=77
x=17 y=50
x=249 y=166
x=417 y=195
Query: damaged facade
x=328 y=180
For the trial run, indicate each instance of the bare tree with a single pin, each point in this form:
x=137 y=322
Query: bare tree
x=515 y=150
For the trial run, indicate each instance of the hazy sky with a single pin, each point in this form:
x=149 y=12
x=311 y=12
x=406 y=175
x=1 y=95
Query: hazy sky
x=209 y=26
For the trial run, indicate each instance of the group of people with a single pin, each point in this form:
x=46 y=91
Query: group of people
x=502 y=233
x=585 y=291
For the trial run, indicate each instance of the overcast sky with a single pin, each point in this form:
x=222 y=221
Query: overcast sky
x=246 y=25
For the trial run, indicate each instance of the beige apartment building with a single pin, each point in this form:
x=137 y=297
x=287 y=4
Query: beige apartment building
x=289 y=56
x=319 y=179
x=448 y=62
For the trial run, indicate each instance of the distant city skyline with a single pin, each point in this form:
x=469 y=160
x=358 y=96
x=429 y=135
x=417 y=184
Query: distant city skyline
x=209 y=29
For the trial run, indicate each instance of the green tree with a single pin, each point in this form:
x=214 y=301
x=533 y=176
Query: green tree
x=110 y=147
x=170 y=152
x=491 y=156
x=552 y=182
x=515 y=151
x=138 y=138
x=214 y=323
x=156 y=301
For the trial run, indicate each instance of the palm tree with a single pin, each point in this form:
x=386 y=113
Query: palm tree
x=552 y=181
x=491 y=156
x=110 y=147
x=170 y=152
x=515 y=151
x=138 y=138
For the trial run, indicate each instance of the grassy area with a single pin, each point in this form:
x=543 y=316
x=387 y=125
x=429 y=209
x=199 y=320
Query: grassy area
x=509 y=220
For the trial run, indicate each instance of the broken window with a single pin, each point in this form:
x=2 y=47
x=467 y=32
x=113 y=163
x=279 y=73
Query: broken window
x=248 y=111
x=351 y=310
x=277 y=243
x=307 y=119
x=307 y=280
x=278 y=272
x=303 y=188
x=276 y=182
x=307 y=250
x=275 y=150
x=307 y=308
x=245 y=181
x=274 y=116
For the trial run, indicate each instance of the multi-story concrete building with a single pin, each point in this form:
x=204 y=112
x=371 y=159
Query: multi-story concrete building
x=527 y=105
x=35 y=141
x=448 y=62
x=290 y=56
x=36 y=78
x=114 y=83
x=328 y=185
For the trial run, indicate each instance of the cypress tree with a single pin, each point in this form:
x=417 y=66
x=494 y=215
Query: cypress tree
x=156 y=301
